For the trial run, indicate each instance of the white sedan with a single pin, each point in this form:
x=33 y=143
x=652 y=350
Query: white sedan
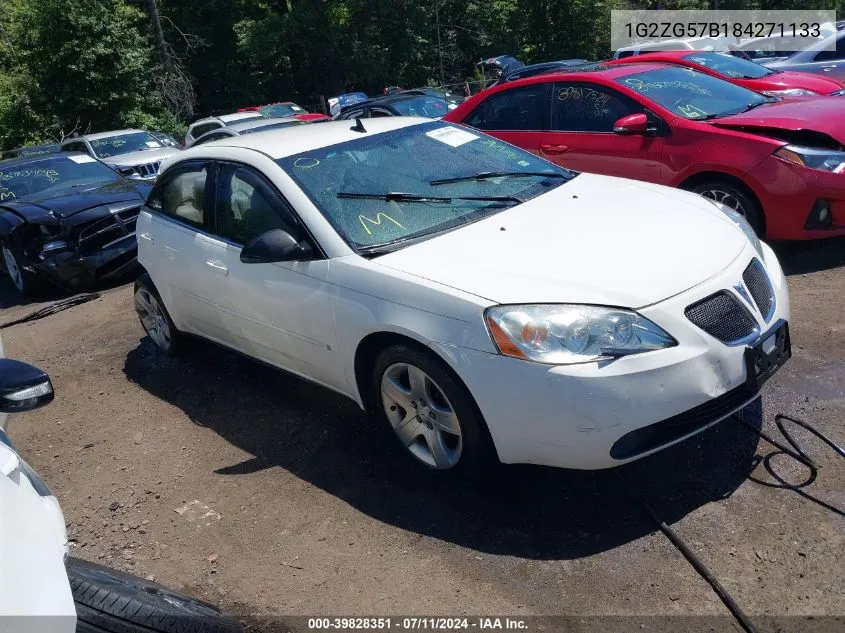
x=481 y=302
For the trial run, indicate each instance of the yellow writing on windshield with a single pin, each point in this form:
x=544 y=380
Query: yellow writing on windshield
x=377 y=222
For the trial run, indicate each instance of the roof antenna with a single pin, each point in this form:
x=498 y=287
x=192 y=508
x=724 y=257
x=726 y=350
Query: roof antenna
x=358 y=127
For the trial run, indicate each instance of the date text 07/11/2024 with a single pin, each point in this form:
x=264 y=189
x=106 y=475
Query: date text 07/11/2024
x=416 y=623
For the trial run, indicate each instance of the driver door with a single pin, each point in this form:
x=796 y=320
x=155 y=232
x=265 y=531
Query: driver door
x=281 y=313
x=582 y=137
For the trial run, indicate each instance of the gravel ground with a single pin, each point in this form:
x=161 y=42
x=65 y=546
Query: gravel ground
x=272 y=497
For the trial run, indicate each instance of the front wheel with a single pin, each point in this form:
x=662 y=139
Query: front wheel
x=24 y=281
x=431 y=413
x=154 y=317
x=736 y=198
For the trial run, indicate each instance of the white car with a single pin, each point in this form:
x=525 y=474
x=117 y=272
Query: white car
x=483 y=303
x=135 y=154
x=206 y=125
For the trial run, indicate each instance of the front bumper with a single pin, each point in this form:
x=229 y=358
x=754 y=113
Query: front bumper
x=788 y=194
x=75 y=272
x=572 y=416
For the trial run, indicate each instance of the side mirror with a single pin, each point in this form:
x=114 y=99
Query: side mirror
x=275 y=245
x=631 y=124
x=23 y=387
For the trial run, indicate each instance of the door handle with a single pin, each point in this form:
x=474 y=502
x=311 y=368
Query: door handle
x=554 y=150
x=147 y=237
x=217 y=268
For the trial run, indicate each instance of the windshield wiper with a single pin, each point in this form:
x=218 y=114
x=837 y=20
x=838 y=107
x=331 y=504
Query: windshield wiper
x=485 y=175
x=397 y=196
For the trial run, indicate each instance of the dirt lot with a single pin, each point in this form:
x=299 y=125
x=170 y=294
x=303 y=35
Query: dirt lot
x=272 y=497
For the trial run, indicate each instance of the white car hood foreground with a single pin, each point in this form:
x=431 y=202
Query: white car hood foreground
x=33 y=580
x=143 y=157
x=594 y=240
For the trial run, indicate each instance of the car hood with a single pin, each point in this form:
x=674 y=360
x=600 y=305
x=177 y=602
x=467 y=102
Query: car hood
x=66 y=203
x=140 y=158
x=787 y=79
x=594 y=240
x=32 y=549
x=817 y=114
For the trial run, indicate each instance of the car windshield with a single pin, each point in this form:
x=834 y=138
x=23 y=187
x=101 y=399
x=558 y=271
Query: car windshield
x=278 y=110
x=272 y=126
x=407 y=163
x=427 y=107
x=729 y=66
x=124 y=144
x=692 y=94
x=38 y=150
x=52 y=173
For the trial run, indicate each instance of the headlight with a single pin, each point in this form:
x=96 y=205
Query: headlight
x=52 y=247
x=566 y=334
x=742 y=223
x=791 y=92
x=823 y=159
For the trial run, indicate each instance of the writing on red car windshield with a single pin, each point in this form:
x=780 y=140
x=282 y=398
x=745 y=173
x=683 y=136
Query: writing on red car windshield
x=691 y=94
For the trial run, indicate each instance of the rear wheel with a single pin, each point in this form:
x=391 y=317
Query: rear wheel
x=736 y=198
x=430 y=412
x=108 y=600
x=154 y=317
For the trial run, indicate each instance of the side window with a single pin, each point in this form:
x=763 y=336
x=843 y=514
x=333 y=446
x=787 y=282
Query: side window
x=247 y=207
x=838 y=54
x=582 y=108
x=181 y=194
x=75 y=147
x=376 y=113
x=202 y=129
x=216 y=136
x=517 y=109
x=351 y=114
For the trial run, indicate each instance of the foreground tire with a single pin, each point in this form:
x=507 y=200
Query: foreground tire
x=24 y=281
x=421 y=402
x=154 y=317
x=112 y=601
x=735 y=197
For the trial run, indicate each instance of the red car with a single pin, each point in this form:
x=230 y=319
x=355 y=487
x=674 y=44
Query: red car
x=286 y=109
x=744 y=73
x=779 y=162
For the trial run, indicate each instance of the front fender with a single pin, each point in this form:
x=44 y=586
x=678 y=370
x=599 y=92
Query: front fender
x=9 y=222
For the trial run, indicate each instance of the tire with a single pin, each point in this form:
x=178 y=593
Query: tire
x=449 y=437
x=155 y=319
x=735 y=197
x=26 y=283
x=108 y=600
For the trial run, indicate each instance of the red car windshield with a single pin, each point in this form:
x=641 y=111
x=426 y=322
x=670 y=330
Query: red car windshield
x=278 y=110
x=691 y=94
x=729 y=66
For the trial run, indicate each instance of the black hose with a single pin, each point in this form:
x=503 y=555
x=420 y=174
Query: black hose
x=53 y=308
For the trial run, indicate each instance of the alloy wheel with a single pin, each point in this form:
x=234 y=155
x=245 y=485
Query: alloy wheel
x=726 y=198
x=421 y=415
x=153 y=319
x=13 y=269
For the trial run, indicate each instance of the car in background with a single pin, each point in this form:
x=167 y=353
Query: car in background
x=815 y=59
x=45 y=590
x=68 y=220
x=134 y=154
x=167 y=139
x=285 y=109
x=247 y=127
x=408 y=103
x=203 y=126
x=538 y=69
x=336 y=104
x=744 y=73
x=690 y=44
x=763 y=49
x=777 y=161
x=31 y=150
x=450 y=97
x=465 y=292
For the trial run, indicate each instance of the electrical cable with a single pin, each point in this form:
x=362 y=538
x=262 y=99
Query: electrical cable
x=53 y=308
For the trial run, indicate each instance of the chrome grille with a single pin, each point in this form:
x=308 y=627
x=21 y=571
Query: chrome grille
x=106 y=232
x=147 y=171
x=723 y=317
x=757 y=280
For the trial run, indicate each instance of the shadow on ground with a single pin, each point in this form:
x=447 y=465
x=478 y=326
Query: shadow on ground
x=798 y=258
x=523 y=511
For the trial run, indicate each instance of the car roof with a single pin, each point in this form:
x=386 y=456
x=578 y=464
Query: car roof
x=241 y=126
x=608 y=71
x=302 y=138
x=238 y=116
x=389 y=99
x=102 y=135
x=26 y=160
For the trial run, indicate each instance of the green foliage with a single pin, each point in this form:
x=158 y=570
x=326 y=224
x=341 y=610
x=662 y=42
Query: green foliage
x=93 y=64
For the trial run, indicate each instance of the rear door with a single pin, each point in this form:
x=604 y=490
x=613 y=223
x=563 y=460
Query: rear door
x=178 y=250
x=582 y=137
x=518 y=116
